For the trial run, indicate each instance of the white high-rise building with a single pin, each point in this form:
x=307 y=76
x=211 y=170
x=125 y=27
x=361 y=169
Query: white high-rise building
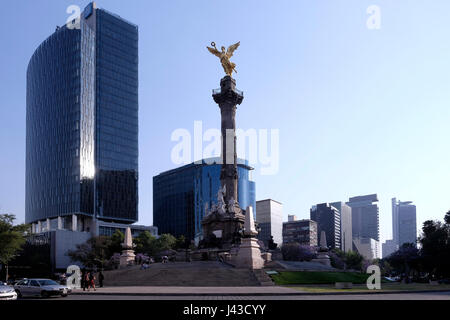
x=404 y=224
x=346 y=225
x=269 y=216
x=367 y=247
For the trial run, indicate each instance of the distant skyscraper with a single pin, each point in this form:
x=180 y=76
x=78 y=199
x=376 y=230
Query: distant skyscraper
x=404 y=226
x=180 y=195
x=365 y=219
x=269 y=216
x=328 y=219
x=369 y=248
x=388 y=247
x=303 y=232
x=82 y=124
x=346 y=225
x=292 y=217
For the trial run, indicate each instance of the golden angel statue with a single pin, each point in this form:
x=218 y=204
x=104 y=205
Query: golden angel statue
x=225 y=56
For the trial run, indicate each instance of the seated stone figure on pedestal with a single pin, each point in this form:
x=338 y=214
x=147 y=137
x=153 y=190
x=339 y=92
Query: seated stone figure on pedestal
x=223 y=219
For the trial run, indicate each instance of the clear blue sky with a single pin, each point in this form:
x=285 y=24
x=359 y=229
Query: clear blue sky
x=359 y=111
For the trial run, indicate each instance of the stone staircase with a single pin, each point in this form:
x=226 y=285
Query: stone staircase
x=189 y=274
x=263 y=278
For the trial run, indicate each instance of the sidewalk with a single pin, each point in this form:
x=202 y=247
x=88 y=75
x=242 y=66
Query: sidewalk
x=190 y=291
x=227 y=291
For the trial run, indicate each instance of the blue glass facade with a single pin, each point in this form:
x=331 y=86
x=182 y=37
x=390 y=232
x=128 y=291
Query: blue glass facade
x=116 y=118
x=82 y=121
x=180 y=196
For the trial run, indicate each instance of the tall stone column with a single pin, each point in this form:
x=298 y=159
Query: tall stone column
x=223 y=223
x=228 y=97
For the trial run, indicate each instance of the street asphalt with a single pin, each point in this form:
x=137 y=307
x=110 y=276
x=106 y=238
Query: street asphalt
x=381 y=296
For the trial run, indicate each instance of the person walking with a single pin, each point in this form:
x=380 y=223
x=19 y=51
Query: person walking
x=82 y=283
x=92 y=280
x=86 y=281
x=100 y=279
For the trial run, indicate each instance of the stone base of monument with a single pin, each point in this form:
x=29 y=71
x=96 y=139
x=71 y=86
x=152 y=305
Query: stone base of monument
x=266 y=256
x=224 y=228
x=127 y=258
x=249 y=255
x=212 y=254
x=323 y=258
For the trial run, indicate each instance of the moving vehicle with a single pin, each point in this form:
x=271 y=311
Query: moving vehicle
x=7 y=292
x=40 y=287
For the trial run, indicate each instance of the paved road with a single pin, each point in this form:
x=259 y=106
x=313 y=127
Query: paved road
x=399 y=296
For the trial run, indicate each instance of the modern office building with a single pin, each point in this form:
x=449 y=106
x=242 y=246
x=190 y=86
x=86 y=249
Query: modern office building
x=82 y=131
x=346 y=225
x=328 y=219
x=82 y=123
x=292 y=217
x=404 y=225
x=367 y=247
x=269 y=216
x=61 y=240
x=303 y=232
x=180 y=196
x=389 y=247
x=365 y=219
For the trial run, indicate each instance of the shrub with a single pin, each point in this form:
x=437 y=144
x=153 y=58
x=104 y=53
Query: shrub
x=296 y=252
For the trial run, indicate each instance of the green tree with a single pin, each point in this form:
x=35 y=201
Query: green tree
x=146 y=243
x=435 y=247
x=95 y=252
x=181 y=243
x=353 y=260
x=405 y=259
x=12 y=238
x=447 y=218
x=166 y=242
x=115 y=245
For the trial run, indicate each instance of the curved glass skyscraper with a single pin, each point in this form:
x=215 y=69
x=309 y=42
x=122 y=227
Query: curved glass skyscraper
x=82 y=124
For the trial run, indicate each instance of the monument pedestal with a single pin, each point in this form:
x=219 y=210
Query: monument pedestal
x=226 y=229
x=249 y=255
x=127 y=258
x=323 y=258
x=322 y=255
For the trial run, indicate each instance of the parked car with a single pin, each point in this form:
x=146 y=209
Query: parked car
x=392 y=279
x=7 y=292
x=41 y=287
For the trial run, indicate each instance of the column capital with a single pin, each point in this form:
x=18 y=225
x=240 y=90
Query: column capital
x=227 y=93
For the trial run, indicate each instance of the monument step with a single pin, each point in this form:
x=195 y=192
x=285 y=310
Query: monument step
x=263 y=278
x=199 y=273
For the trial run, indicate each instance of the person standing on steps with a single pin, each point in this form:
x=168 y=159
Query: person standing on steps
x=100 y=279
x=86 y=281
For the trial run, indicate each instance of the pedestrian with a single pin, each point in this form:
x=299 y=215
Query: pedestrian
x=92 y=280
x=86 y=281
x=100 y=279
x=82 y=280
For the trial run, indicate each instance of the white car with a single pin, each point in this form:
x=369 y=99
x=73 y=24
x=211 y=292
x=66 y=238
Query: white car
x=41 y=287
x=7 y=292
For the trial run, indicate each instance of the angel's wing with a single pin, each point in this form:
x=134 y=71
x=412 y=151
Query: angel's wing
x=231 y=49
x=214 y=51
